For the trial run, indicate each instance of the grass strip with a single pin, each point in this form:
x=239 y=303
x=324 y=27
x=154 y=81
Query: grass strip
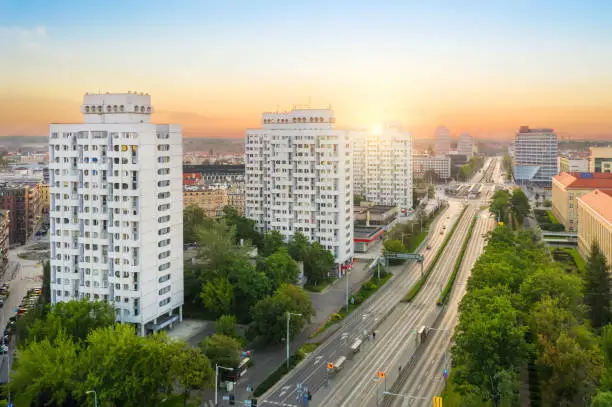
x=417 y=287
x=282 y=370
x=449 y=284
x=366 y=291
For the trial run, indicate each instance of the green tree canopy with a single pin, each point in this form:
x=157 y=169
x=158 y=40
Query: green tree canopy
x=193 y=218
x=226 y=325
x=245 y=228
x=217 y=296
x=269 y=314
x=318 y=263
x=279 y=267
x=222 y=350
x=272 y=241
x=598 y=288
x=298 y=246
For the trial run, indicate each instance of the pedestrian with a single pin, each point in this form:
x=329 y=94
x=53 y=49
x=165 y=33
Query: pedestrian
x=373 y=334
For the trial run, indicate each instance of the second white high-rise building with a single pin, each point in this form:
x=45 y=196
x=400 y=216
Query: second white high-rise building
x=298 y=172
x=382 y=166
x=116 y=210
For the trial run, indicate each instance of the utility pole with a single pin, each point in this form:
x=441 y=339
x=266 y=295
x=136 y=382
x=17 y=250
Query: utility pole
x=288 y=318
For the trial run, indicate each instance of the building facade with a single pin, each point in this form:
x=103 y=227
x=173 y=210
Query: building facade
x=440 y=165
x=299 y=178
x=116 y=210
x=465 y=145
x=382 y=166
x=600 y=159
x=443 y=145
x=44 y=198
x=235 y=196
x=4 y=240
x=535 y=156
x=23 y=204
x=573 y=164
x=568 y=187
x=210 y=200
x=595 y=213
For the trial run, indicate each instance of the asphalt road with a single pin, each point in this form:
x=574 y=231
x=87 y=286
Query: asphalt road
x=357 y=384
x=311 y=374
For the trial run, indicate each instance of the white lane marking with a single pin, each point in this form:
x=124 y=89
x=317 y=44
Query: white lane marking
x=318 y=359
x=284 y=390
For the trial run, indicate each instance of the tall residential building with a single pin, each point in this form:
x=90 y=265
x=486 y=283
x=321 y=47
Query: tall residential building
x=4 y=240
x=600 y=159
x=23 y=203
x=440 y=165
x=465 y=145
x=116 y=210
x=595 y=213
x=299 y=178
x=568 y=187
x=382 y=166
x=442 y=141
x=535 y=156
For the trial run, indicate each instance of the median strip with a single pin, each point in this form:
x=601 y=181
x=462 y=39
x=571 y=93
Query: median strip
x=449 y=285
x=417 y=287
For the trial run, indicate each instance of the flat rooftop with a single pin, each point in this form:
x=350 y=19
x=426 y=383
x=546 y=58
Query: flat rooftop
x=365 y=232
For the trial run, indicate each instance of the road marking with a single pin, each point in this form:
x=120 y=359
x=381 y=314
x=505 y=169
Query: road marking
x=318 y=359
x=284 y=390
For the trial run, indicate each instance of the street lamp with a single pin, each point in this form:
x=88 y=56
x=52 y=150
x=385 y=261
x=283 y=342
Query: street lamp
x=288 y=318
x=95 y=396
x=217 y=379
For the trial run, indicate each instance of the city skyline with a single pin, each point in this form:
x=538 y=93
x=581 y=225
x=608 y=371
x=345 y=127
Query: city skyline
x=474 y=67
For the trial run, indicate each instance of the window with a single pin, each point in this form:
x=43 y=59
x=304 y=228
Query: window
x=163 y=183
x=164 y=302
x=163 y=243
x=163 y=219
x=163 y=195
x=164 y=290
x=163 y=171
x=163 y=207
x=163 y=231
x=164 y=278
x=164 y=266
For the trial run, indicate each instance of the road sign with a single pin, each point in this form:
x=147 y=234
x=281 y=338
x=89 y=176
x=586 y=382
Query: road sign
x=437 y=401
x=381 y=374
x=445 y=373
x=330 y=365
x=352 y=300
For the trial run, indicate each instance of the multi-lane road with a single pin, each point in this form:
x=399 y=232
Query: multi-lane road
x=396 y=324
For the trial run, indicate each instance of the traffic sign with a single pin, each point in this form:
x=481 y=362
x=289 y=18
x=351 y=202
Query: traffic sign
x=330 y=365
x=437 y=401
x=445 y=373
x=381 y=374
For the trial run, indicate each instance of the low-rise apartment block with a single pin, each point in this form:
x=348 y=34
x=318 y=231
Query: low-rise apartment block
x=441 y=165
x=210 y=200
x=595 y=213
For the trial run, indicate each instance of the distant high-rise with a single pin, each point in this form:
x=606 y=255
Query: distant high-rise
x=298 y=172
x=535 y=156
x=382 y=166
x=442 y=141
x=600 y=159
x=465 y=145
x=116 y=210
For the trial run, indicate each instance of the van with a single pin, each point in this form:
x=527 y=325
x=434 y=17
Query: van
x=339 y=363
x=356 y=346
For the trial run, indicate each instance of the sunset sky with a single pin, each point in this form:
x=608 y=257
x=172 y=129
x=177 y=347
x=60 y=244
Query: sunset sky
x=485 y=66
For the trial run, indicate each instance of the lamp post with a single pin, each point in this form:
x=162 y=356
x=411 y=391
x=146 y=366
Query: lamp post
x=288 y=318
x=95 y=396
x=217 y=380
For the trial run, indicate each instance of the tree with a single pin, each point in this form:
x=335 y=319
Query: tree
x=74 y=319
x=272 y=241
x=46 y=373
x=193 y=218
x=46 y=285
x=520 y=205
x=192 y=369
x=489 y=345
x=431 y=176
x=222 y=350
x=279 y=267
x=217 y=296
x=269 y=314
x=554 y=282
x=226 y=325
x=318 y=263
x=250 y=286
x=602 y=399
x=357 y=199
x=298 y=246
x=394 y=246
x=597 y=290
x=244 y=227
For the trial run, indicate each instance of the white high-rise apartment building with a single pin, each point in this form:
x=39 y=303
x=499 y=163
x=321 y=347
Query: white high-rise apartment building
x=442 y=140
x=535 y=156
x=298 y=174
x=465 y=145
x=382 y=166
x=116 y=210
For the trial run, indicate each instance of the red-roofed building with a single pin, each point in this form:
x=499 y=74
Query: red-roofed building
x=595 y=214
x=567 y=187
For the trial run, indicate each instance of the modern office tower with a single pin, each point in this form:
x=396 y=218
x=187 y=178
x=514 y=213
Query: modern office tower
x=299 y=178
x=440 y=165
x=465 y=145
x=600 y=159
x=382 y=166
x=442 y=140
x=535 y=156
x=116 y=210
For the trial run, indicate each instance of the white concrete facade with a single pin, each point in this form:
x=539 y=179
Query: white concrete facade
x=298 y=174
x=465 y=145
x=116 y=210
x=535 y=156
x=382 y=166
x=440 y=165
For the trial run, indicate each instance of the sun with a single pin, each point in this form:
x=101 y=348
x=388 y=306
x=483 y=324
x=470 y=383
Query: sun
x=377 y=130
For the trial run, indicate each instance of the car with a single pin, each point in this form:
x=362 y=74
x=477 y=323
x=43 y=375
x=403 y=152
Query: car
x=428 y=247
x=443 y=227
x=441 y=232
x=4 y=349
